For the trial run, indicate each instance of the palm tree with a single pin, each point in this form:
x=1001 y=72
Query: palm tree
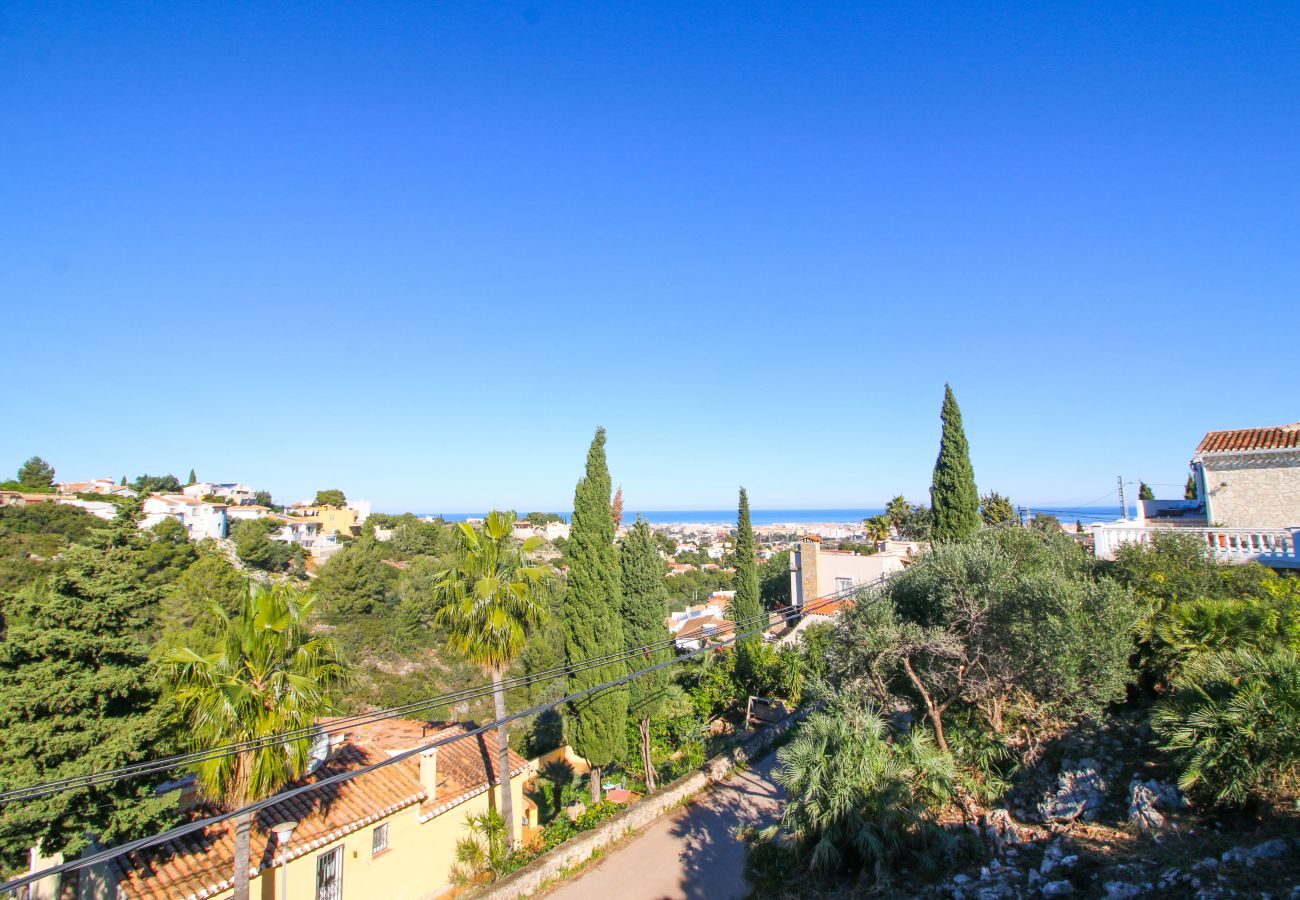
x=897 y=512
x=267 y=674
x=877 y=528
x=486 y=603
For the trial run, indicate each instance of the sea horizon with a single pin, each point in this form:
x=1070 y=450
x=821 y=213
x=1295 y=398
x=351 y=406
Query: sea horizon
x=795 y=516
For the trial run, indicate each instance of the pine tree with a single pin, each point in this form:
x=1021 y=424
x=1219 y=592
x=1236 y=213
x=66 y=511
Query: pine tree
x=746 y=607
x=194 y=479
x=36 y=475
x=645 y=615
x=76 y=696
x=954 y=502
x=593 y=619
x=1145 y=492
x=1190 y=492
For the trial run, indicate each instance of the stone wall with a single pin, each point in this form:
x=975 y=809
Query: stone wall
x=1252 y=492
x=578 y=849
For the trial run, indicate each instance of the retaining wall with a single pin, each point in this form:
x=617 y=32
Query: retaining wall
x=578 y=849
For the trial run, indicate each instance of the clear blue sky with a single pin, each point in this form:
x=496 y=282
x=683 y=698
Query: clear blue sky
x=419 y=251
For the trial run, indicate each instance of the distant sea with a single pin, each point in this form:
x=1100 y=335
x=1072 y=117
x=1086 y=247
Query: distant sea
x=803 y=516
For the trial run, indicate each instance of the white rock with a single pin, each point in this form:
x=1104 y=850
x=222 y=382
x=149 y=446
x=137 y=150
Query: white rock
x=1057 y=888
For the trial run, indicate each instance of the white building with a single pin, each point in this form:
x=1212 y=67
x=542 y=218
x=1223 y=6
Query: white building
x=234 y=493
x=361 y=508
x=1248 y=506
x=98 y=486
x=816 y=573
x=102 y=509
x=296 y=530
x=201 y=520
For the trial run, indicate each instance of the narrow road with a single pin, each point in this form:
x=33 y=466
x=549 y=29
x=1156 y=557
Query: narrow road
x=689 y=854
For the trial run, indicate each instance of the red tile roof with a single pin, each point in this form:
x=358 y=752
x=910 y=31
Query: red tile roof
x=695 y=627
x=201 y=864
x=1282 y=437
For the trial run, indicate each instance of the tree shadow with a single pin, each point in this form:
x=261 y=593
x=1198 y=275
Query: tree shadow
x=713 y=853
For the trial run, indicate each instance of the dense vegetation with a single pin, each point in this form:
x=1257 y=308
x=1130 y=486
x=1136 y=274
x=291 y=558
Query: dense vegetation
x=1004 y=641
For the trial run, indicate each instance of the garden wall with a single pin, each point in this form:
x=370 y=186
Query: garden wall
x=578 y=849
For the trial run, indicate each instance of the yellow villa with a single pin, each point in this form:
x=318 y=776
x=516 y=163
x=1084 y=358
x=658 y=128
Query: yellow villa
x=390 y=833
x=333 y=519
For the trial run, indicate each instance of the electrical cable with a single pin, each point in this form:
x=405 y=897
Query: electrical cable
x=163 y=764
x=341 y=777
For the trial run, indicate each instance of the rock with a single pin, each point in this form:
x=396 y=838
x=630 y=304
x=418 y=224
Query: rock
x=1057 y=888
x=960 y=878
x=1121 y=890
x=1147 y=798
x=1080 y=793
x=1268 y=850
x=1001 y=829
x=1206 y=864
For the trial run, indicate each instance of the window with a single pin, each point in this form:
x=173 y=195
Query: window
x=379 y=839
x=329 y=875
x=843 y=584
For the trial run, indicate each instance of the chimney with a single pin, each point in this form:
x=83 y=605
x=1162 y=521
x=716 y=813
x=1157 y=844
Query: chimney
x=429 y=771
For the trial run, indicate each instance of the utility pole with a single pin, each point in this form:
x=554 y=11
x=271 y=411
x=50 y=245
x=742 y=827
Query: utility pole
x=1123 y=504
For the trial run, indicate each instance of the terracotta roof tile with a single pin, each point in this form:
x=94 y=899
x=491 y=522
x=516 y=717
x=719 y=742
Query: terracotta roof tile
x=202 y=864
x=1282 y=437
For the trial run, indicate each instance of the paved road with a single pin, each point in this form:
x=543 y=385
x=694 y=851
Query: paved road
x=690 y=854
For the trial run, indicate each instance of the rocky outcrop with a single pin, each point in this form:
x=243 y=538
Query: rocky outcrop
x=1149 y=800
x=1080 y=794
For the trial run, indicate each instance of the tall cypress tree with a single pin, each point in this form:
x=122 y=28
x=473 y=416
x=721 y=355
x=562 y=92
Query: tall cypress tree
x=747 y=606
x=194 y=479
x=954 y=502
x=645 y=622
x=593 y=622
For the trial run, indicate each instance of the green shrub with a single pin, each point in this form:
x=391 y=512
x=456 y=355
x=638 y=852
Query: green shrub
x=860 y=801
x=1232 y=723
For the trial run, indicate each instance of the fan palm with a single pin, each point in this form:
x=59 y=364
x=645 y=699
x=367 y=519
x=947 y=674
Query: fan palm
x=267 y=674
x=858 y=798
x=877 y=528
x=486 y=603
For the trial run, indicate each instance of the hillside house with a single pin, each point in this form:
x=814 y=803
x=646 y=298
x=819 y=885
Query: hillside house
x=816 y=572
x=1247 y=506
x=235 y=494
x=201 y=519
x=389 y=833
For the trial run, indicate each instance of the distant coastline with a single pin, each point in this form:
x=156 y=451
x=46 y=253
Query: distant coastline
x=797 y=516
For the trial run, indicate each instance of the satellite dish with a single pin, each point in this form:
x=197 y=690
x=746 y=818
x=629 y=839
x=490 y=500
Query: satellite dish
x=320 y=750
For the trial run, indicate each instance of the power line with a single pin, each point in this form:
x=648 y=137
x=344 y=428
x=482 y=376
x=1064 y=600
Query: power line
x=199 y=824
x=163 y=764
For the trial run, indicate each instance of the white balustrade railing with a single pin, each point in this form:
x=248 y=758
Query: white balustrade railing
x=1270 y=546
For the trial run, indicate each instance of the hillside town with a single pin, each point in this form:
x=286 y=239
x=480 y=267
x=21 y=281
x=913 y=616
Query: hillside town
x=757 y=635
x=649 y=451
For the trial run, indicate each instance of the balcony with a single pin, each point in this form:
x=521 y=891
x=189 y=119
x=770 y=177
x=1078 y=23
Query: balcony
x=1273 y=547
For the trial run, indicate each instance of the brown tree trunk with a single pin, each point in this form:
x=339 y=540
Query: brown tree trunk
x=503 y=759
x=645 y=755
x=594 y=777
x=243 y=846
x=995 y=713
x=932 y=710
